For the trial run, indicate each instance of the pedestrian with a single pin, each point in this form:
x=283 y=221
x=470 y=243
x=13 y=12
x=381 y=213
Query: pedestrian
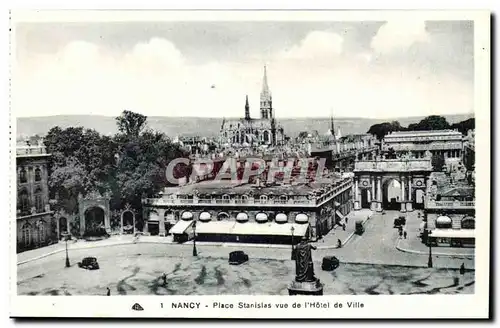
x=108 y=292
x=164 y=277
x=462 y=269
x=343 y=227
x=339 y=243
x=404 y=234
x=400 y=233
x=346 y=220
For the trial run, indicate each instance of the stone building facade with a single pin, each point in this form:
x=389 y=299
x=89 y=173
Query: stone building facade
x=35 y=224
x=446 y=143
x=225 y=211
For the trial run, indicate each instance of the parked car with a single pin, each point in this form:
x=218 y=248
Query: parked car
x=237 y=257
x=359 y=228
x=399 y=221
x=330 y=263
x=89 y=263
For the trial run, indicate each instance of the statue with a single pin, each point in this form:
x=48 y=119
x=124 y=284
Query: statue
x=304 y=269
x=305 y=283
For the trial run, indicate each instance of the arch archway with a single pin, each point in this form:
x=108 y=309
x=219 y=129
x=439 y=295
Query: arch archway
x=419 y=198
x=128 y=222
x=391 y=193
x=365 y=198
x=94 y=222
x=222 y=216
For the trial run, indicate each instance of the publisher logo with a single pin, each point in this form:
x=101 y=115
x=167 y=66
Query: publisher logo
x=137 y=307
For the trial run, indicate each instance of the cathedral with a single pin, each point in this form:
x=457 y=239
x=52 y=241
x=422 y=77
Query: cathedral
x=247 y=131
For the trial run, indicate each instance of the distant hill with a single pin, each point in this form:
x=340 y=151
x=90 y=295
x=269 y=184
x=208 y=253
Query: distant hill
x=185 y=126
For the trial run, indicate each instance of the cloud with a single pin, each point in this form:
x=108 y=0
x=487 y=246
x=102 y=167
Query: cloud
x=396 y=35
x=316 y=45
x=308 y=79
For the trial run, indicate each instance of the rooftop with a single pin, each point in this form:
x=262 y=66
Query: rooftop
x=447 y=188
x=230 y=187
x=31 y=151
x=397 y=134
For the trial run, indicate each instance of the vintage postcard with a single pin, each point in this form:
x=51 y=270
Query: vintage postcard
x=250 y=164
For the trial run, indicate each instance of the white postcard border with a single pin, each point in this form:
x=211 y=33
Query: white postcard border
x=380 y=306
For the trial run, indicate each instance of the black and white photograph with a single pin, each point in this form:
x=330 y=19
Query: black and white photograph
x=314 y=160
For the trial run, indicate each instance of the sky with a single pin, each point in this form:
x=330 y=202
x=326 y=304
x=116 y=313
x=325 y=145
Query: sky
x=372 y=69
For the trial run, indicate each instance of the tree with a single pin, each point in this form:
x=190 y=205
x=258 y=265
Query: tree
x=433 y=122
x=131 y=123
x=380 y=130
x=81 y=161
x=464 y=126
x=437 y=162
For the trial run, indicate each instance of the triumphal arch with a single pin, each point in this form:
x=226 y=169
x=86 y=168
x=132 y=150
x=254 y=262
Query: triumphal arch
x=398 y=183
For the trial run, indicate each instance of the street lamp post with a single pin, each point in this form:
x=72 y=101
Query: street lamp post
x=293 y=247
x=66 y=237
x=195 y=252
x=429 y=262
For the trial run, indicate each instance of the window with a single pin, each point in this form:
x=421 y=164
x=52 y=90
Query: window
x=283 y=199
x=41 y=231
x=38 y=174
x=24 y=200
x=263 y=199
x=38 y=200
x=22 y=176
x=26 y=233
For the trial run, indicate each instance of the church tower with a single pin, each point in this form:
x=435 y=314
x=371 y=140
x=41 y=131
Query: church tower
x=266 y=111
x=247 y=110
x=332 y=127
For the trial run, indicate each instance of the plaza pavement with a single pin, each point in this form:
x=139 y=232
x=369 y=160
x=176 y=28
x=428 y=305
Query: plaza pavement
x=327 y=242
x=379 y=244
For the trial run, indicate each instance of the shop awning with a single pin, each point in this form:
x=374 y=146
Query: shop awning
x=281 y=218
x=453 y=233
x=242 y=217
x=250 y=228
x=205 y=216
x=301 y=218
x=340 y=215
x=215 y=227
x=187 y=215
x=261 y=217
x=270 y=229
x=180 y=227
x=443 y=220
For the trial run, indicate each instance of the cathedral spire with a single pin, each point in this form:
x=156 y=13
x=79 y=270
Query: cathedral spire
x=247 y=110
x=265 y=98
x=332 y=126
x=265 y=86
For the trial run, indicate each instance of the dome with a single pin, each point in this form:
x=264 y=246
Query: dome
x=443 y=220
x=301 y=218
x=281 y=218
x=205 y=216
x=187 y=216
x=242 y=217
x=261 y=217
